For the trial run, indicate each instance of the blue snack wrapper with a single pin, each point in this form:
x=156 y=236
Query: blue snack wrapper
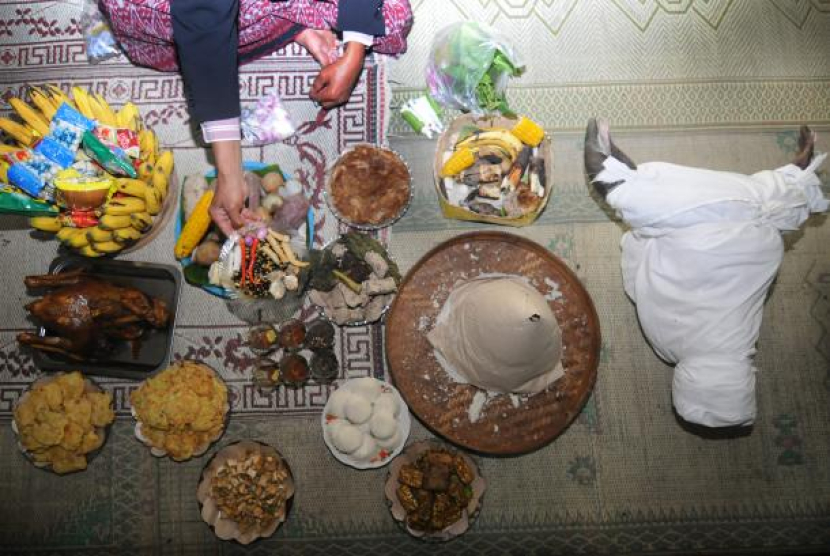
x=72 y=116
x=56 y=152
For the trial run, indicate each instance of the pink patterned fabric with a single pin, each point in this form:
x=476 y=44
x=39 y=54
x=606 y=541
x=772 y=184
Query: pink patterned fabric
x=144 y=29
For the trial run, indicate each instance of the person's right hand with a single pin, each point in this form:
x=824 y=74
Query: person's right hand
x=320 y=43
x=228 y=207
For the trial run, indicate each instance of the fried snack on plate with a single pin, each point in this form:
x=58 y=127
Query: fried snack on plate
x=181 y=410
x=61 y=419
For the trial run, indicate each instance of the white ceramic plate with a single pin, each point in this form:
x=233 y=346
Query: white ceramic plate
x=383 y=456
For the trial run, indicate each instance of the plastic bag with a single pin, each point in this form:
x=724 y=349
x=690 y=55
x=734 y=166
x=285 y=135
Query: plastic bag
x=100 y=42
x=469 y=67
x=266 y=123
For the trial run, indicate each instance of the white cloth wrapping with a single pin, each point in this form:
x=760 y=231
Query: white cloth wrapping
x=703 y=250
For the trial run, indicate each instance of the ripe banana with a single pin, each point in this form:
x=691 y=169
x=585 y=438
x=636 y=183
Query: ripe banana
x=4 y=148
x=496 y=137
x=115 y=222
x=145 y=171
x=129 y=117
x=98 y=235
x=64 y=233
x=164 y=163
x=148 y=145
x=88 y=251
x=82 y=100
x=77 y=238
x=107 y=114
x=4 y=172
x=133 y=188
x=46 y=223
x=126 y=235
x=107 y=247
x=18 y=132
x=160 y=183
x=153 y=201
x=58 y=96
x=124 y=206
x=141 y=221
x=43 y=102
x=33 y=118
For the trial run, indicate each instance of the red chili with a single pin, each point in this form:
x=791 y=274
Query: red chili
x=243 y=267
x=254 y=246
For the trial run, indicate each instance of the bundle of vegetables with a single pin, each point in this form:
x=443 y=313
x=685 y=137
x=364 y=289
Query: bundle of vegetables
x=469 y=67
x=496 y=171
x=99 y=168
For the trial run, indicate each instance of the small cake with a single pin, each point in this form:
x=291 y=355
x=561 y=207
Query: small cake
x=346 y=438
x=337 y=403
x=383 y=424
x=367 y=387
x=358 y=409
x=368 y=448
x=387 y=402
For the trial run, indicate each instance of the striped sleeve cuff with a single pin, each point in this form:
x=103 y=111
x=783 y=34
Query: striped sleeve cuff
x=221 y=130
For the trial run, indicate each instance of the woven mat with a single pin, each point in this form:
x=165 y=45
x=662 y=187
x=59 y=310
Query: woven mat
x=625 y=478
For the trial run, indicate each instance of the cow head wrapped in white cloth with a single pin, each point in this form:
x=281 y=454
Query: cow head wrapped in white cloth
x=703 y=250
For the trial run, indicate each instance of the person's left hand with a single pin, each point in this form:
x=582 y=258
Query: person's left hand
x=335 y=82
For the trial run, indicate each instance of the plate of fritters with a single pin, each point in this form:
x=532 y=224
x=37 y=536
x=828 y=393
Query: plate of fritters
x=369 y=187
x=433 y=491
x=245 y=491
x=181 y=411
x=61 y=422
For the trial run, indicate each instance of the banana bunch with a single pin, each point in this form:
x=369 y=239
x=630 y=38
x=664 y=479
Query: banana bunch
x=130 y=212
x=466 y=151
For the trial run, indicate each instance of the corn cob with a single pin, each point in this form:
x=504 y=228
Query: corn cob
x=528 y=132
x=195 y=228
x=459 y=161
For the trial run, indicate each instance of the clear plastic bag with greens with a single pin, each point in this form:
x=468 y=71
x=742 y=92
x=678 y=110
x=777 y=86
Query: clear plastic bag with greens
x=469 y=67
x=98 y=37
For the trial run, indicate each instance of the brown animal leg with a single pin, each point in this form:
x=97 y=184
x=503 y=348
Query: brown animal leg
x=53 y=280
x=52 y=344
x=806 y=146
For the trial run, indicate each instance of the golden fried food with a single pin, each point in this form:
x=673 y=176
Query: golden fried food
x=60 y=421
x=182 y=409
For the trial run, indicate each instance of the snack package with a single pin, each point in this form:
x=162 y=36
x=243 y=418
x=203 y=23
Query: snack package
x=266 y=123
x=14 y=201
x=111 y=161
x=67 y=127
x=55 y=151
x=119 y=139
x=100 y=42
x=469 y=67
x=34 y=176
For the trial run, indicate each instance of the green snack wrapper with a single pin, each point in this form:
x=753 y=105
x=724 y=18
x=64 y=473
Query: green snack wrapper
x=14 y=201
x=103 y=155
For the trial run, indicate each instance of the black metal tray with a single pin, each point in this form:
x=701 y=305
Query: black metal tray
x=161 y=281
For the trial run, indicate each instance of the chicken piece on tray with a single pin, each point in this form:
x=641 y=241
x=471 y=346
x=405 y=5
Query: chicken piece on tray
x=87 y=314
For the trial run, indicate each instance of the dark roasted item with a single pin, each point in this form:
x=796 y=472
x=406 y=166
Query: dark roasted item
x=87 y=314
x=370 y=185
x=434 y=490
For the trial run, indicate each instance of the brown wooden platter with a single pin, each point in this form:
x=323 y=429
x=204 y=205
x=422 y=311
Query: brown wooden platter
x=504 y=427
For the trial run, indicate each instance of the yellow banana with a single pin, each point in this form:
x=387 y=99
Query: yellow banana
x=4 y=148
x=16 y=131
x=82 y=100
x=64 y=233
x=148 y=145
x=115 y=222
x=33 y=118
x=43 y=102
x=107 y=247
x=153 y=201
x=126 y=235
x=4 y=172
x=145 y=171
x=141 y=221
x=160 y=183
x=46 y=223
x=164 y=163
x=58 y=96
x=497 y=137
x=108 y=116
x=133 y=188
x=125 y=206
x=129 y=117
x=77 y=238
x=98 y=235
x=88 y=251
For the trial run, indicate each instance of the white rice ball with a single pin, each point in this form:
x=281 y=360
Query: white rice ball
x=358 y=409
x=366 y=387
x=387 y=402
x=383 y=425
x=337 y=403
x=367 y=450
x=346 y=438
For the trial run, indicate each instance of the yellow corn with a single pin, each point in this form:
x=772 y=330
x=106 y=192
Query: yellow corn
x=459 y=161
x=528 y=132
x=195 y=228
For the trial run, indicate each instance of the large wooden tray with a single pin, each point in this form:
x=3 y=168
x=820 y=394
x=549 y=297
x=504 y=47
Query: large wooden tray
x=442 y=404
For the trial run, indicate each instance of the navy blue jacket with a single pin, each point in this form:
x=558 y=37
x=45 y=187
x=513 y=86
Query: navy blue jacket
x=207 y=38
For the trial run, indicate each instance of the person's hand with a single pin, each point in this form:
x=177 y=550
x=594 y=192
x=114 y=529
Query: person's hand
x=321 y=44
x=335 y=82
x=228 y=207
